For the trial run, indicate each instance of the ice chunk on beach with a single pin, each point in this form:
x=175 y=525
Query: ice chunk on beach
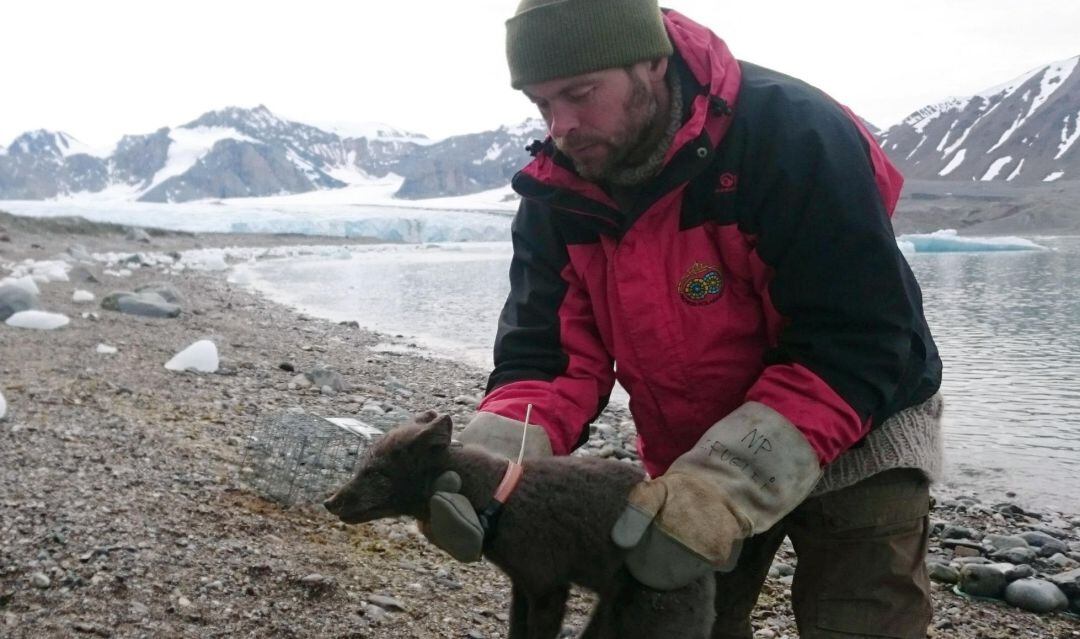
x=105 y=349
x=3 y=406
x=25 y=282
x=40 y=320
x=50 y=271
x=81 y=297
x=202 y=356
x=355 y=426
x=204 y=260
x=948 y=241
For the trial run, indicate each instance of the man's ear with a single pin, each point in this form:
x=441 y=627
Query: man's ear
x=657 y=69
x=436 y=434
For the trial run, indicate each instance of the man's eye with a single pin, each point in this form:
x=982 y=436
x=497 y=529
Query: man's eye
x=580 y=96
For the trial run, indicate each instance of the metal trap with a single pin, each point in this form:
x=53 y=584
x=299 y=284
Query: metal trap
x=298 y=457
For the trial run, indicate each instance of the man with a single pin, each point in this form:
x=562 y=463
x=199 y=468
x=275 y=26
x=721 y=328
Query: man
x=721 y=233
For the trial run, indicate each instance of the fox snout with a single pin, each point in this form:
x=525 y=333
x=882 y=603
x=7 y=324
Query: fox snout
x=336 y=503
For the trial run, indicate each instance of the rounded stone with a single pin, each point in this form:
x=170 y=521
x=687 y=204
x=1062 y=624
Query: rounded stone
x=1035 y=595
x=1017 y=555
x=981 y=580
x=943 y=572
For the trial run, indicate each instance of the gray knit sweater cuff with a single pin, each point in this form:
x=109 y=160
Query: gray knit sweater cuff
x=909 y=439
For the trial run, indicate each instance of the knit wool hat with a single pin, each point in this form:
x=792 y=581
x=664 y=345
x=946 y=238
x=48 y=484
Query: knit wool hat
x=548 y=39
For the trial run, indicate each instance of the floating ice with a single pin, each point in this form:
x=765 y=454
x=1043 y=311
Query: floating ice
x=947 y=241
x=81 y=296
x=105 y=349
x=40 y=320
x=202 y=356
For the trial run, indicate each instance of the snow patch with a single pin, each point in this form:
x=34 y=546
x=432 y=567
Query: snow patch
x=955 y=162
x=1016 y=171
x=188 y=146
x=494 y=152
x=1053 y=79
x=372 y=131
x=1067 y=138
x=995 y=168
x=70 y=146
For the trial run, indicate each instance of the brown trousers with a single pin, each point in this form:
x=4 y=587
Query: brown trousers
x=861 y=569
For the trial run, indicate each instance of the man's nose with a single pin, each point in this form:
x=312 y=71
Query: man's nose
x=564 y=119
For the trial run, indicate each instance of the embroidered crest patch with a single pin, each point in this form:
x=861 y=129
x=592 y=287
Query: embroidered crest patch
x=701 y=285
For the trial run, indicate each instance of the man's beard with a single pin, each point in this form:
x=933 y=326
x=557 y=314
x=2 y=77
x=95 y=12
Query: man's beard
x=641 y=109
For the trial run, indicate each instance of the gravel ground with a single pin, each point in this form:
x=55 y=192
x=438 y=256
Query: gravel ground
x=123 y=510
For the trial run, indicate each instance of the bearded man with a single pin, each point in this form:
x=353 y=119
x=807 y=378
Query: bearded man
x=716 y=236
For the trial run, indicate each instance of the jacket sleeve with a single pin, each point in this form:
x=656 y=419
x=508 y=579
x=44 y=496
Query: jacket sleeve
x=845 y=311
x=548 y=350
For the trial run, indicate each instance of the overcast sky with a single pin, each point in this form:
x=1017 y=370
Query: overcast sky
x=100 y=69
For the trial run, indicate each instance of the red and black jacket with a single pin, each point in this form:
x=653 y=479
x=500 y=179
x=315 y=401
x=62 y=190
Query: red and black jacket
x=759 y=265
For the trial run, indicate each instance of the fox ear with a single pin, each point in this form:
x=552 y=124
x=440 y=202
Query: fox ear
x=425 y=417
x=437 y=432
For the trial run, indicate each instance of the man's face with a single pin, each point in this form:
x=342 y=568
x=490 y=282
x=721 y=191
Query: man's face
x=599 y=119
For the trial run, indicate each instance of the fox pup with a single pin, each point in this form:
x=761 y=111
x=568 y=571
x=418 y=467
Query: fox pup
x=554 y=531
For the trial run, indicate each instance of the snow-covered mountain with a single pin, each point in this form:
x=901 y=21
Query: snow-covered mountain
x=1022 y=132
x=41 y=164
x=235 y=152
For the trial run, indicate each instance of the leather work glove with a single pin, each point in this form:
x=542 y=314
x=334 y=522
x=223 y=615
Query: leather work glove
x=454 y=525
x=502 y=436
x=749 y=470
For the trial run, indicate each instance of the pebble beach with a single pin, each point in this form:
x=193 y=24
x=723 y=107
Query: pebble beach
x=127 y=506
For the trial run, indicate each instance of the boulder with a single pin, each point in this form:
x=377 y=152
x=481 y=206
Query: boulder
x=1017 y=555
x=143 y=304
x=943 y=572
x=166 y=290
x=1004 y=542
x=982 y=580
x=320 y=377
x=1036 y=595
x=1023 y=571
x=1047 y=545
x=1068 y=582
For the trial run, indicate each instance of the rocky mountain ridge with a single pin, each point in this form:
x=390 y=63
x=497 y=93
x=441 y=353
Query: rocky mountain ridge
x=1021 y=133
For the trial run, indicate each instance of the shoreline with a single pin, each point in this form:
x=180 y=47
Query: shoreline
x=121 y=483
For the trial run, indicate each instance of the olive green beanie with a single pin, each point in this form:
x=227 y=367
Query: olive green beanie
x=548 y=39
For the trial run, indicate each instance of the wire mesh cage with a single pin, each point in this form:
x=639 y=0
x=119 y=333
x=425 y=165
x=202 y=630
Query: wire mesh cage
x=298 y=457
